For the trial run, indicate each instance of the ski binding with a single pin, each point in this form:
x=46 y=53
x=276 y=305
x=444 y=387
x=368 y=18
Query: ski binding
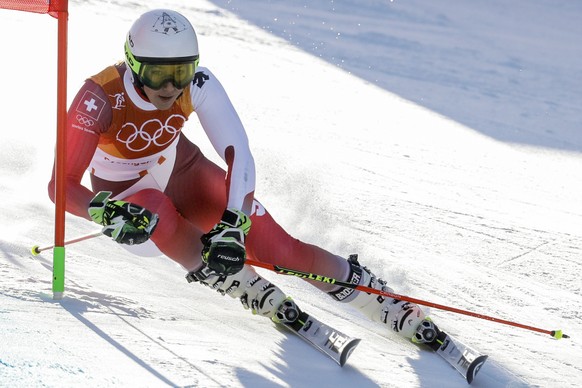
x=331 y=342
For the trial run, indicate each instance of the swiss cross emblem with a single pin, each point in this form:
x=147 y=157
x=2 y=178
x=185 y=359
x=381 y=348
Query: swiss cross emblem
x=90 y=105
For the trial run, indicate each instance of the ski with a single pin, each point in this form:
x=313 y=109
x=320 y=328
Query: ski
x=331 y=342
x=466 y=360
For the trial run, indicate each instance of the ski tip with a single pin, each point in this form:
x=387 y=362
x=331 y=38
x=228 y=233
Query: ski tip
x=557 y=334
x=475 y=367
x=35 y=250
x=347 y=351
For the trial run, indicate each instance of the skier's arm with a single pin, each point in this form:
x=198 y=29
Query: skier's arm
x=88 y=116
x=224 y=251
x=228 y=137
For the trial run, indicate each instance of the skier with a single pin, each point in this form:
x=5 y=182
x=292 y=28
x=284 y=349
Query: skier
x=154 y=191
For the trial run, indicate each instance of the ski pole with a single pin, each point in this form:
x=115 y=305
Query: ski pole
x=36 y=250
x=557 y=334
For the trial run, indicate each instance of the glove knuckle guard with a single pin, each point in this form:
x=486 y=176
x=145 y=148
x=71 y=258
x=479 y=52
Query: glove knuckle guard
x=124 y=222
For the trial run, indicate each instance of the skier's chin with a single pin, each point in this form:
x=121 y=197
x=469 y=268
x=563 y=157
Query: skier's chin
x=163 y=103
x=164 y=98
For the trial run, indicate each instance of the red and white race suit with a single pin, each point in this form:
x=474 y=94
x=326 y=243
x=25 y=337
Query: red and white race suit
x=139 y=153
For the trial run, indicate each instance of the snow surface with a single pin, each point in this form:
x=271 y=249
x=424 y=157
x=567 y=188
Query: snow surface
x=440 y=140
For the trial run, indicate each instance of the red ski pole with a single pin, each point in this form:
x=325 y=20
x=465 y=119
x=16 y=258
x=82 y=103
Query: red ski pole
x=325 y=279
x=557 y=334
x=36 y=250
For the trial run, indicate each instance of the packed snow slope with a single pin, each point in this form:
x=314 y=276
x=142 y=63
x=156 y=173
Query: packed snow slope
x=439 y=140
x=511 y=70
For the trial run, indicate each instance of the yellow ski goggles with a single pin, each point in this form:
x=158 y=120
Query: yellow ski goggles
x=156 y=72
x=154 y=75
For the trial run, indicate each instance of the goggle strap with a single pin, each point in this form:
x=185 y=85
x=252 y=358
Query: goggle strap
x=131 y=60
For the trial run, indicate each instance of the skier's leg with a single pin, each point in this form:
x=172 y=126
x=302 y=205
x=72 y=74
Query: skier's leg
x=186 y=207
x=193 y=201
x=269 y=243
x=175 y=236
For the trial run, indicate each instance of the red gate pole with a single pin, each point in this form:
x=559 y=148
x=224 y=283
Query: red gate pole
x=60 y=154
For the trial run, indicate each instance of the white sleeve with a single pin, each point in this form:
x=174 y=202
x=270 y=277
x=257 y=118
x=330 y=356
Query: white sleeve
x=227 y=135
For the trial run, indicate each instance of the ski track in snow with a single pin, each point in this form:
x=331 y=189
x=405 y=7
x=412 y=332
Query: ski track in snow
x=441 y=143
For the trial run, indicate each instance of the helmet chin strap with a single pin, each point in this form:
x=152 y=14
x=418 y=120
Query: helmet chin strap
x=135 y=79
x=138 y=85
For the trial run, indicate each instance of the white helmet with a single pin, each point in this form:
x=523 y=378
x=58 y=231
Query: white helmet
x=160 y=36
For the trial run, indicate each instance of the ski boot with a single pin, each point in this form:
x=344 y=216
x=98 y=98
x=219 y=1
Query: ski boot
x=401 y=317
x=255 y=293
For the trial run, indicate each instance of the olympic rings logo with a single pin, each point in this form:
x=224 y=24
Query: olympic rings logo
x=152 y=131
x=85 y=121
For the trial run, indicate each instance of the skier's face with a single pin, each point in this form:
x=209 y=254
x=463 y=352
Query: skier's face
x=164 y=97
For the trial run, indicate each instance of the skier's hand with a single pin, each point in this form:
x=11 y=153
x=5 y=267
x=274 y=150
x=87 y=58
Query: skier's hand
x=224 y=246
x=124 y=222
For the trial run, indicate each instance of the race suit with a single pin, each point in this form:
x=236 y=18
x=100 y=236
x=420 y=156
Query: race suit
x=139 y=154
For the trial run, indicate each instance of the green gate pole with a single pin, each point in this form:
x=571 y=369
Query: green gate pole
x=58 y=272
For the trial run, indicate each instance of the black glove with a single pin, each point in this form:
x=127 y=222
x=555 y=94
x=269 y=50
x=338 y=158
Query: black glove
x=124 y=222
x=224 y=246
